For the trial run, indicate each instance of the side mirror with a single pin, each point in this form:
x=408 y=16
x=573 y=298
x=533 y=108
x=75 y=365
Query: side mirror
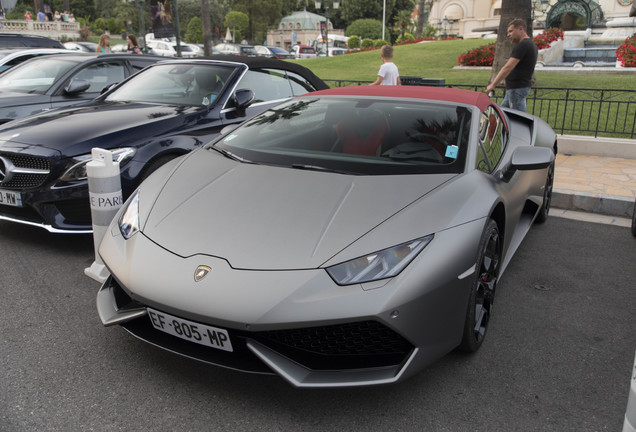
x=526 y=159
x=243 y=99
x=77 y=86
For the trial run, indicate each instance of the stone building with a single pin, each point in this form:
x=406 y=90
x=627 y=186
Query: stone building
x=299 y=28
x=473 y=18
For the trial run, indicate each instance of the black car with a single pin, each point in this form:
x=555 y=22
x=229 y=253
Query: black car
x=165 y=111
x=19 y=40
x=43 y=83
x=273 y=52
x=237 y=49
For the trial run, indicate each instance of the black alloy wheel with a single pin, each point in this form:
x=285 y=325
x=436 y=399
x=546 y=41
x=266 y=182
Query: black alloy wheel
x=482 y=295
x=542 y=216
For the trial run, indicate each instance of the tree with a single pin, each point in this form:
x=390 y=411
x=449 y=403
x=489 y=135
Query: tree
x=237 y=22
x=365 y=29
x=510 y=9
x=403 y=21
x=206 y=28
x=423 y=11
x=262 y=14
x=194 y=33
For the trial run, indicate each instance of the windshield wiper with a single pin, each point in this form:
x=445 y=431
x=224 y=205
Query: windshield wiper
x=229 y=155
x=323 y=169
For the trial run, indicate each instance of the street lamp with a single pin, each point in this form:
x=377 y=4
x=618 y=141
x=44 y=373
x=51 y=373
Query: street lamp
x=336 y=5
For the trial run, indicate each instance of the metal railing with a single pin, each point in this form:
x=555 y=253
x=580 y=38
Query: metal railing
x=576 y=111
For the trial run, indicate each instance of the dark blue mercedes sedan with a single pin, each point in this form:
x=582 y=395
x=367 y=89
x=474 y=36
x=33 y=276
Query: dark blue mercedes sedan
x=163 y=112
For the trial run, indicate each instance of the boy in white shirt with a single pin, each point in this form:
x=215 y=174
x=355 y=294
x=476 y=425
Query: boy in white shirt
x=388 y=73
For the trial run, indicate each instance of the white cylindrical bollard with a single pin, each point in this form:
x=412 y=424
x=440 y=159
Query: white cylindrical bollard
x=104 y=188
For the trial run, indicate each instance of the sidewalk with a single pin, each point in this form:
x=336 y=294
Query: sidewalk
x=595 y=175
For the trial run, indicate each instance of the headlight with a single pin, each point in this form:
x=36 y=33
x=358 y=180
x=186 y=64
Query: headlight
x=78 y=170
x=378 y=265
x=129 y=219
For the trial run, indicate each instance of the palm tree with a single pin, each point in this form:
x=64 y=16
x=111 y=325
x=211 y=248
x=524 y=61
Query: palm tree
x=403 y=21
x=207 y=28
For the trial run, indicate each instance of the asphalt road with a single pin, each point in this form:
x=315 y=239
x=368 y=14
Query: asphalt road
x=558 y=355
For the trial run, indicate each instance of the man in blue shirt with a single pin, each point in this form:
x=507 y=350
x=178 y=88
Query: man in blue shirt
x=519 y=68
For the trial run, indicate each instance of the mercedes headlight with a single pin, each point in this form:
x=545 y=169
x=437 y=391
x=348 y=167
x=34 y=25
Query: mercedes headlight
x=129 y=220
x=78 y=170
x=378 y=265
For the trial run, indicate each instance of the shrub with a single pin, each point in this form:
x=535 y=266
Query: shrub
x=408 y=38
x=626 y=53
x=379 y=43
x=99 y=25
x=367 y=43
x=480 y=56
x=194 y=33
x=353 y=42
x=365 y=28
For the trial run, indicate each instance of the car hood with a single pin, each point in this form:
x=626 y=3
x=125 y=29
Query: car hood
x=267 y=217
x=74 y=131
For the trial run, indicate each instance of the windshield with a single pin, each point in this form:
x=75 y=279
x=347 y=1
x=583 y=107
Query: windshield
x=175 y=84
x=36 y=75
x=356 y=135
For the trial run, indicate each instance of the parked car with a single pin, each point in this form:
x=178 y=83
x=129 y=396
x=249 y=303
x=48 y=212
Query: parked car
x=119 y=48
x=10 y=57
x=333 y=52
x=350 y=236
x=169 y=49
x=90 y=47
x=273 y=52
x=47 y=82
x=302 y=52
x=21 y=40
x=236 y=49
x=161 y=113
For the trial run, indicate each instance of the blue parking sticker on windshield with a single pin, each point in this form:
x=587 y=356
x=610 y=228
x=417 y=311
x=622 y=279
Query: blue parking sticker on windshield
x=451 y=152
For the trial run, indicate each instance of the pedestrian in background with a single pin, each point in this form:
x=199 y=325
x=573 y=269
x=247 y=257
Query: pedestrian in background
x=519 y=69
x=133 y=45
x=104 y=44
x=388 y=73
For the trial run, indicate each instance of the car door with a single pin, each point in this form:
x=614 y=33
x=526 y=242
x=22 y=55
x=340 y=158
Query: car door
x=99 y=75
x=271 y=87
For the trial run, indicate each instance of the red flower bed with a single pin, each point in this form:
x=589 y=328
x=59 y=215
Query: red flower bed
x=480 y=56
x=544 y=39
x=626 y=53
x=484 y=55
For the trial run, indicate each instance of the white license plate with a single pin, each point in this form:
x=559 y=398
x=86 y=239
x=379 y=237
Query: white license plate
x=10 y=198
x=194 y=332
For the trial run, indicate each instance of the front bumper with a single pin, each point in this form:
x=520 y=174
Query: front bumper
x=297 y=324
x=347 y=354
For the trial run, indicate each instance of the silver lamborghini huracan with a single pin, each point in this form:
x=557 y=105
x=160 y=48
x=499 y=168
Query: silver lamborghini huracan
x=347 y=237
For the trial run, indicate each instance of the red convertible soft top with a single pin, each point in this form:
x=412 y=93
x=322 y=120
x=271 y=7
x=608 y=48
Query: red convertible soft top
x=480 y=100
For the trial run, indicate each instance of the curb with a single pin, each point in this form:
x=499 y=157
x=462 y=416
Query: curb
x=598 y=204
x=590 y=203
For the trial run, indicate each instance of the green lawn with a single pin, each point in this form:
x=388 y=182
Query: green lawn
x=437 y=59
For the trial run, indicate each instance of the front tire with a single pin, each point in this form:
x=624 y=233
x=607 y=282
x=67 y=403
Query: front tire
x=542 y=216
x=482 y=294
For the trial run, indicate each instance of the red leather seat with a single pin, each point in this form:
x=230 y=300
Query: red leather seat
x=362 y=134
